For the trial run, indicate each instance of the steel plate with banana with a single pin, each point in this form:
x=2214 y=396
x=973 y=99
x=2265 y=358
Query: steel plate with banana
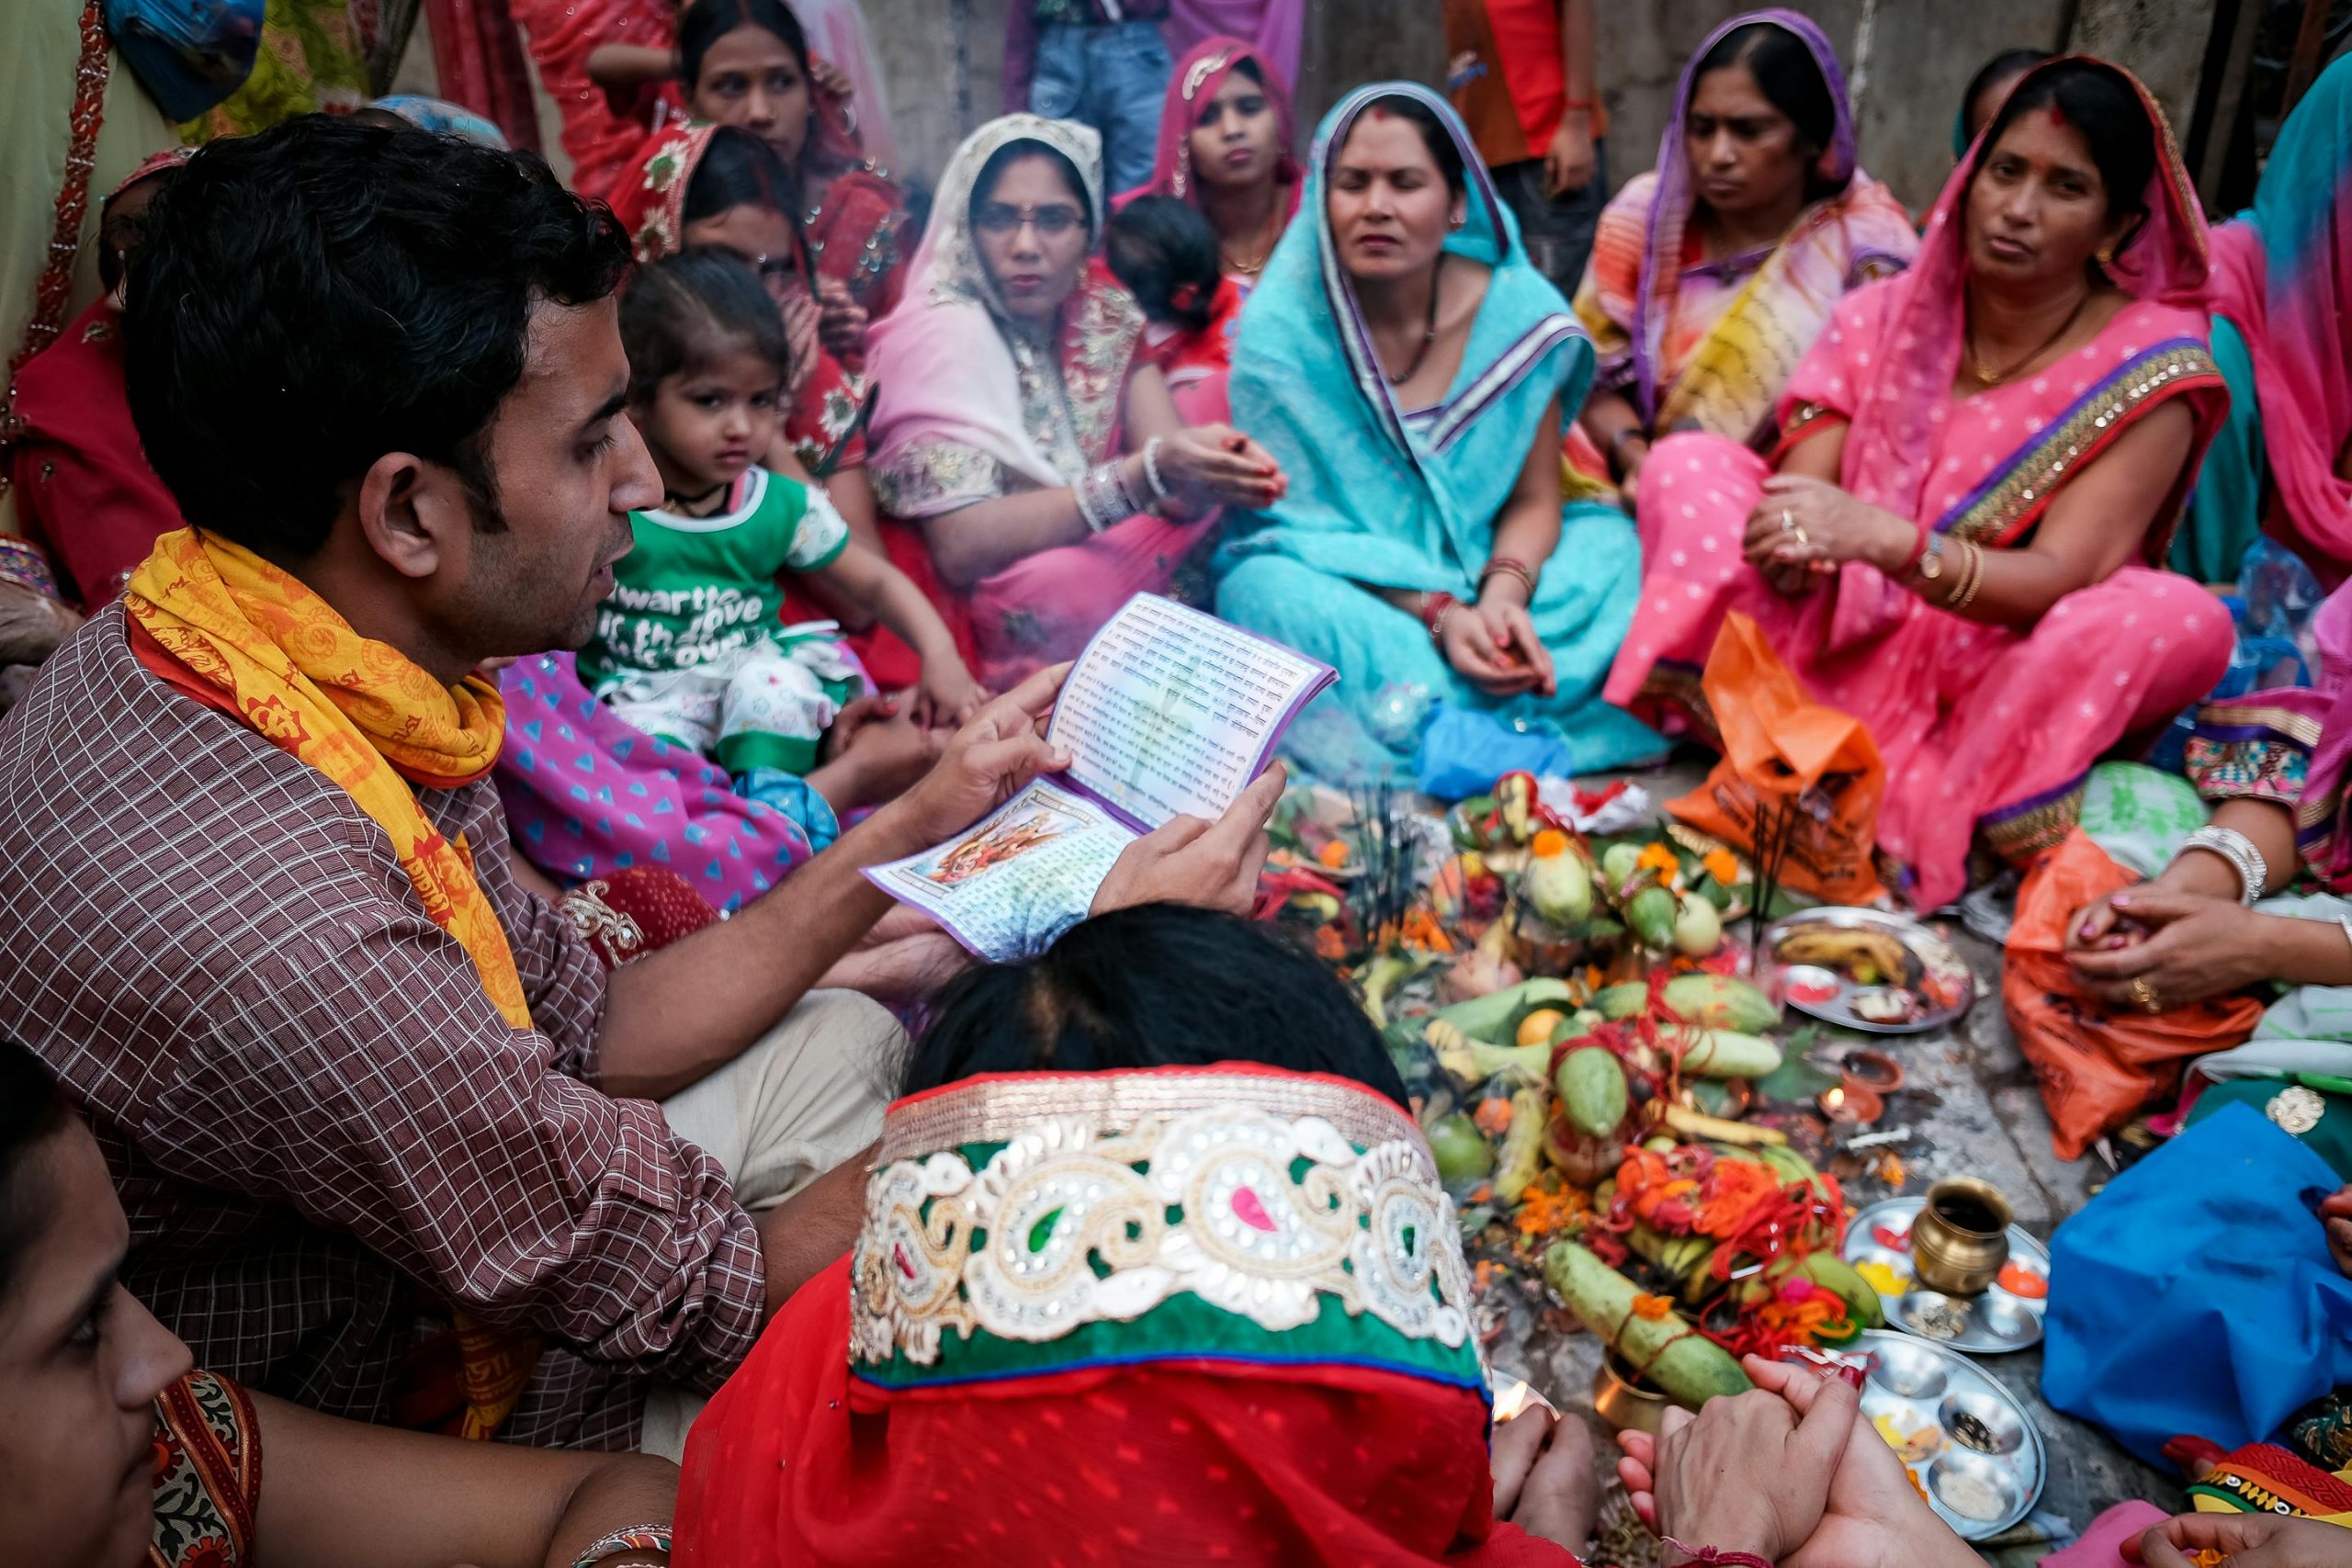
x=1869 y=970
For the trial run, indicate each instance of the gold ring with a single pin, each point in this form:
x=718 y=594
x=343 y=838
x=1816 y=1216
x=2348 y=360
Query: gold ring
x=2145 y=995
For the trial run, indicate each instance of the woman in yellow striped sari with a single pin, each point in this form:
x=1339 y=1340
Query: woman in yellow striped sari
x=1711 y=276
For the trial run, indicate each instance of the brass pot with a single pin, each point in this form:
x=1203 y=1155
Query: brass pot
x=1962 y=1237
x=1626 y=1404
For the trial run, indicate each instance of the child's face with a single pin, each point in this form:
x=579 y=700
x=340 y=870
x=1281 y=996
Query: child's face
x=708 y=424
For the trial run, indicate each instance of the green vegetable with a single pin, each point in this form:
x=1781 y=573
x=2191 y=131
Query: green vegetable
x=1560 y=887
x=1650 y=913
x=1475 y=1060
x=1618 y=1002
x=1522 y=1153
x=1619 y=863
x=1833 y=1273
x=1689 y=1368
x=1462 y=1153
x=1719 y=1001
x=1698 y=928
x=1593 y=1091
x=1722 y=1053
x=1496 y=1015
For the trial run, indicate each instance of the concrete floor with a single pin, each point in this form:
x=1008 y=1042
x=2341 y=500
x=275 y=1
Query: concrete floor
x=1972 y=1103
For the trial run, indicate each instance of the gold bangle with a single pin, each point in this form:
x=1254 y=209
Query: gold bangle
x=1975 y=578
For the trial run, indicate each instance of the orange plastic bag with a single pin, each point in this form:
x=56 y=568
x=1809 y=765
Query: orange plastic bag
x=2096 y=1067
x=1780 y=747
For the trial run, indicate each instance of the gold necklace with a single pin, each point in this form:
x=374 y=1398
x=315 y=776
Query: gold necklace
x=1986 y=374
x=1252 y=268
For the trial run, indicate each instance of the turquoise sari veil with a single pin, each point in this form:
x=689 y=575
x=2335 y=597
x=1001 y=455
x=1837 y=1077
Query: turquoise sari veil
x=1385 y=497
x=1371 y=497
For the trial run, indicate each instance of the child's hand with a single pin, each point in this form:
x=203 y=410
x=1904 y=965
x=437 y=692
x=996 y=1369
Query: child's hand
x=947 y=696
x=888 y=754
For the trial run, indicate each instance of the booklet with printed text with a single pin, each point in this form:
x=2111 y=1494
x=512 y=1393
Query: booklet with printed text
x=1168 y=713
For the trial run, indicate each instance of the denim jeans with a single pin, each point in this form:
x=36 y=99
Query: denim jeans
x=1557 y=233
x=1112 y=78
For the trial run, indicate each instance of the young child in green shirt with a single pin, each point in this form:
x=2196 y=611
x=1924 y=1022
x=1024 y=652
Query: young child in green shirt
x=691 y=646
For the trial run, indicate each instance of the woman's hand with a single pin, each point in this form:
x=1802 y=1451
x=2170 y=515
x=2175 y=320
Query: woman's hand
x=1542 y=1476
x=1808 y=523
x=1746 y=1474
x=841 y=320
x=803 y=323
x=1495 y=663
x=1501 y=610
x=2183 y=948
x=1215 y=465
x=2244 y=1540
x=1872 y=1515
x=947 y=696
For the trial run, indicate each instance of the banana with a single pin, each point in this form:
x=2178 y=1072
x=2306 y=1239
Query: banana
x=1848 y=950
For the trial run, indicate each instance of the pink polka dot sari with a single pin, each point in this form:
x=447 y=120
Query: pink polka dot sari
x=1983 y=728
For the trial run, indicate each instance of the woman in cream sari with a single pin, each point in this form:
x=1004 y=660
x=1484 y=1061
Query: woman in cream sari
x=1046 y=468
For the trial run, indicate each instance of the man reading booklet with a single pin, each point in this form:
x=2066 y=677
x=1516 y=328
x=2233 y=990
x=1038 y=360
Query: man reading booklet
x=1169 y=714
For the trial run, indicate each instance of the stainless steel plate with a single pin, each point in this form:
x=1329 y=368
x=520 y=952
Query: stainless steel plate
x=1964 y=1436
x=1998 y=1321
x=1934 y=972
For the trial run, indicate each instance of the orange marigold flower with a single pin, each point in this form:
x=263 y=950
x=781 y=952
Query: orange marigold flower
x=1492 y=1117
x=1550 y=841
x=1723 y=865
x=1333 y=855
x=1655 y=1309
x=1660 y=857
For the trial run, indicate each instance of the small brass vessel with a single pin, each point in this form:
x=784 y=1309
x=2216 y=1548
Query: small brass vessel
x=1962 y=1237
x=1626 y=1405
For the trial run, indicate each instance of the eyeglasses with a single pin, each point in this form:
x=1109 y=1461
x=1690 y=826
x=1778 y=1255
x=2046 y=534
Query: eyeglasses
x=1053 y=221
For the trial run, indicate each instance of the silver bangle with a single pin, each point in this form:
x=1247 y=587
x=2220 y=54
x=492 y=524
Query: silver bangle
x=2254 y=872
x=1152 y=471
x=1091 y=501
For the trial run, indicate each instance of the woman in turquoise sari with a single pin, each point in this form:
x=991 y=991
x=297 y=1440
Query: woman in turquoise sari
x=2282 y=295
x=1409 y=369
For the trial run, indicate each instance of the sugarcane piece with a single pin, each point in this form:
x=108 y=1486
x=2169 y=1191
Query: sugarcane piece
x=1696 y=1128
x=1691 y=1369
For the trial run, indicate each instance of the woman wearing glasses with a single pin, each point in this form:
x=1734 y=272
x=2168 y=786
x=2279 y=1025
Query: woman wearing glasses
x=1047 y=467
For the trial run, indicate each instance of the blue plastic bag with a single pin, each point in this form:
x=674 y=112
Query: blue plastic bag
x=2196 y=1295
x=1464 y=752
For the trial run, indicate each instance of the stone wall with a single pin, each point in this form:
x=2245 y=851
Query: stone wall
x=1909 y=59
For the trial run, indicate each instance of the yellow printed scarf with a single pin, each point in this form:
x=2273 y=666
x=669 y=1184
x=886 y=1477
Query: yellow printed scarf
x=282 y=661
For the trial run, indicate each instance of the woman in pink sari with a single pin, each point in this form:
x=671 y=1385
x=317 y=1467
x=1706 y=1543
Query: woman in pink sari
x=1048 y=471
x=1226 y=135
x=1981 y=461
